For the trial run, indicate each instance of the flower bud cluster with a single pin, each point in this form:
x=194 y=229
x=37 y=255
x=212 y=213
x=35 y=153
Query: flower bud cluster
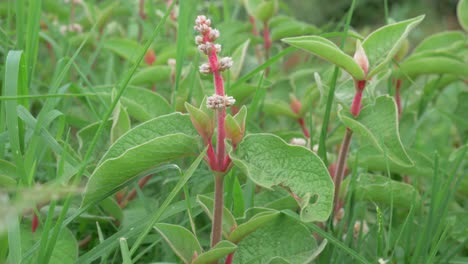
x=206 y=45
x=218 y=101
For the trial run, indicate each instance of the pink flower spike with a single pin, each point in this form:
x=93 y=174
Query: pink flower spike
x=361 y=58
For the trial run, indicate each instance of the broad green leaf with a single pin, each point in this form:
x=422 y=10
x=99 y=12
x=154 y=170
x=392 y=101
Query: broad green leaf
x=86 y=134
x=374 y=160
x=152 y=75
x=382 y=44
x=382 y=190
x=120 y=123
x=433 y=63
x=251 y=225
x=284 y=237
x=278 y=107
x=269 y=161
x=278 y=260
x=378 y=124
x=143 y=104
x=238 y=56
x=183 y=242
x=440 y=41
x=222 y=249
x=327 y=50
x=284 y=27
x=462 y=14
x=126 y=48
x=208 y=206
x=65 y=250
x=146 y=146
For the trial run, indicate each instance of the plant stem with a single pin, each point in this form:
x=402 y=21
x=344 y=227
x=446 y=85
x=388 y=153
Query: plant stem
x=356 y=106
x=305 y=131
x=267 y=44
x=397 y=96
x=217 y=227
x=229 y=258
x=340 y=166
x=255 y=33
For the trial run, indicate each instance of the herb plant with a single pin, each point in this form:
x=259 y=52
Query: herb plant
x=229 y=132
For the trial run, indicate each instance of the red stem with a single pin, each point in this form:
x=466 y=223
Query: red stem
x=304 y=128
x=356 y=106
x=229 y=258
x=340 y=167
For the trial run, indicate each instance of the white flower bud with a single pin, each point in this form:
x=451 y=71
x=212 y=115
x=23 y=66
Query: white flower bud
x=213 y=35
x=171 y=62
x=298 y=142
x=205 y=68
x=225 y=63
x=205 y=48
x=218 y=48
x=218 y=102
x=199 y=40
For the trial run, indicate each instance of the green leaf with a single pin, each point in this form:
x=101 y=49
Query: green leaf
x=253 y=224
x=112 y=208
x=269 y=161
x=65 y=250
x=222 y=249
x=378 y=124
x=152 y=75
x=126 y=48
x=238 y=56
x=284 y=237
x=182 y=241
x=126 y=258
x=144 y=147
x=120 y=123
x=382 y=190
x=261 y=9
x=202 y=122
x=143 y=104
x=7 y=174
x=278 y=107
x=327 y=50
x=462 y=14
x=283 y=27
x=434 y=63
x=441 y=41
x=374 y=160
x=228 y=220
x=86 y=134
x=382 y=44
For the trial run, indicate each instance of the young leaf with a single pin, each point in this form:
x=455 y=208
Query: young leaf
x=253 y=224
x=433 y=63
x=152 y=75
x=126 y=258
x=382 y=44
x=228 y=220
x=182 y=241
x=440 y=41
x=284 y=237
x=222 y=249
x=378 y=124
x=382 y=190
x=269 y=161
x=238 y=57
x=327 y=50
x=374 y=160
x=144 y=147
x=126 y=48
